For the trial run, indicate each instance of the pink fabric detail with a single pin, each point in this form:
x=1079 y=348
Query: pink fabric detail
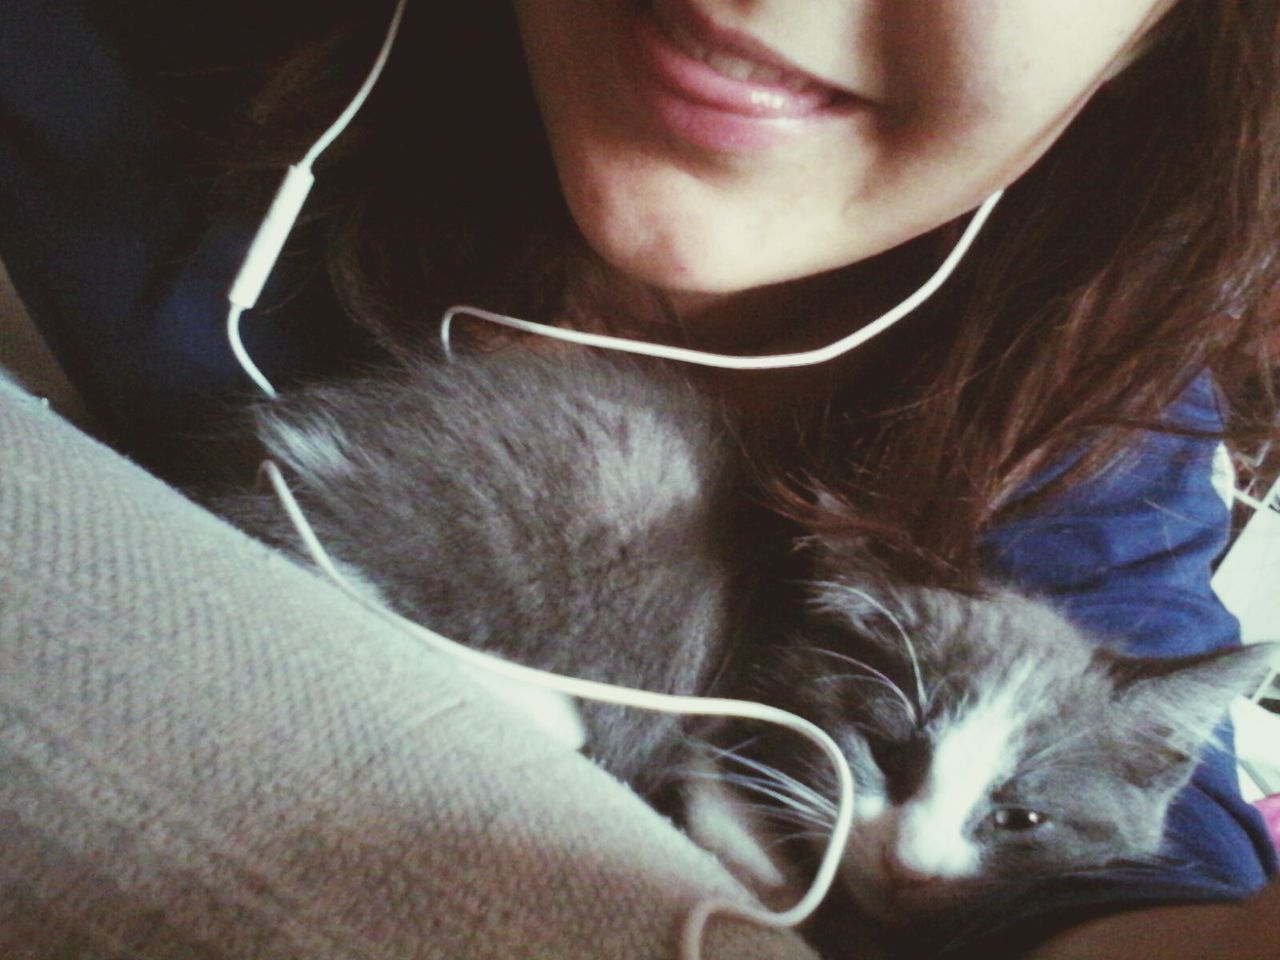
x=1269 y=807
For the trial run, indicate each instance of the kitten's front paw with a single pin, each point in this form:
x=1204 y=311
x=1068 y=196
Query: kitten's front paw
x=719 y=819
x=554 y=713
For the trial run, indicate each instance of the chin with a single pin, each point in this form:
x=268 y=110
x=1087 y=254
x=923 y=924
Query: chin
x=648 y=227
x=696 y=272
x=675 y=265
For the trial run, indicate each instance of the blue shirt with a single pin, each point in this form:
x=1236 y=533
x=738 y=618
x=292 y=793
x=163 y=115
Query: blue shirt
x=121 y=268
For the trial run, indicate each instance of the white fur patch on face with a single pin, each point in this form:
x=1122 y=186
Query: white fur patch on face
x=868 y=805
x=971 y=757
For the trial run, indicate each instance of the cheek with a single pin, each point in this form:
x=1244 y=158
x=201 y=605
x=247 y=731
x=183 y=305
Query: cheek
x=974 y=92
x=1050 y=850
x=862 y=869
x=1005 y=77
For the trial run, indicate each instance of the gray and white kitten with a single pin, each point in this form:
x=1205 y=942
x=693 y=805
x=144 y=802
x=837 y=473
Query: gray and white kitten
x=991 y=742
x=585 y=513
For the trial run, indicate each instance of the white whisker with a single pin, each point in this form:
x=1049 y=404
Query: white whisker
x=912 y=710
x=775 y=814
x=783 y=780
x=902 y=632
x=1067 y=745
x=786 y=799
x=882 y=680
x=934 y=693
x=792 y=836
x=771 y=782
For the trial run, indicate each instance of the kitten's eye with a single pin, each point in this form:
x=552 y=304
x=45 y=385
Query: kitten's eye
x=1017 y=819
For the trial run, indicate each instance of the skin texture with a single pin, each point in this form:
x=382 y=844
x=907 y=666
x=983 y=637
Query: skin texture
x=1245 y=931
x=957 y=98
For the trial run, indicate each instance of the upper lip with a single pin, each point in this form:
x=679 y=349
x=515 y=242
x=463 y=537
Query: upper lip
x=734 y=42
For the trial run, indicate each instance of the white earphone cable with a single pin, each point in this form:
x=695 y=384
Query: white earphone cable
x=345 y=118
x=268 y=242
x=696 y=920
x=242 y=355
x=731 y=361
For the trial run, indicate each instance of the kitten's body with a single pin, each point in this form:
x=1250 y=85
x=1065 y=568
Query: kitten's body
x=584 y=514
x=571 y=514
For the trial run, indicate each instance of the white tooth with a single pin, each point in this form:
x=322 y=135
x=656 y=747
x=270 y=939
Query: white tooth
x=769 y=99
x=728 y=64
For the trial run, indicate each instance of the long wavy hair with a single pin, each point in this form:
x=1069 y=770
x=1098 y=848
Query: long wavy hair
x=1138 y=253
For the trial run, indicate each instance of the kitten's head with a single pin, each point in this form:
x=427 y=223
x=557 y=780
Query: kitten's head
x=990 y=740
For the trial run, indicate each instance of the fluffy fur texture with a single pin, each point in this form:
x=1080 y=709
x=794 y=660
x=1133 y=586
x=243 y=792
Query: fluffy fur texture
x=573 y=516
x=991 y=741
x=585 y=514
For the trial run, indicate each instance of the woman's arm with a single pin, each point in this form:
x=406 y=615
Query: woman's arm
x=1221 y=931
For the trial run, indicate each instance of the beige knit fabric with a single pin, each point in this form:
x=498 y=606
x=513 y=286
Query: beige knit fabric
x=206 y=752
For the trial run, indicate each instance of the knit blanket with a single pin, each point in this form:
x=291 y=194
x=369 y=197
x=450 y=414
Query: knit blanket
x=208 y=753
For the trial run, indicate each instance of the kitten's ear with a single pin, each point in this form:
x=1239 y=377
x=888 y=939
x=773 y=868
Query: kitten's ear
x=1175 y=705
x=838 y=548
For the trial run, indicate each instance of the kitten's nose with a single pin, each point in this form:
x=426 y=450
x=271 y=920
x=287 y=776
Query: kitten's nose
x=902 y=876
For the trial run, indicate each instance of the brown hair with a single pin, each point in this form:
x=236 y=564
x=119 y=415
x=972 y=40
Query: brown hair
x=1140 y=251
x=1138 y=254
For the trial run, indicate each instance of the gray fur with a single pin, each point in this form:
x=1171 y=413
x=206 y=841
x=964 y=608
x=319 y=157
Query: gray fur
x=565 y=511
x=1101 y=742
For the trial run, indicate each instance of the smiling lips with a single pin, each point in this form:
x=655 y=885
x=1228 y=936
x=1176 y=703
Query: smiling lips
x=714 y=90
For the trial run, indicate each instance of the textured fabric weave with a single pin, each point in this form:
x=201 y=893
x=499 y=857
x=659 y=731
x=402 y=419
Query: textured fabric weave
x=207 y=752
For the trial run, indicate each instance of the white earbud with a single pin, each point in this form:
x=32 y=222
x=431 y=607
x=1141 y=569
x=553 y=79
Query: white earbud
x=264 y=251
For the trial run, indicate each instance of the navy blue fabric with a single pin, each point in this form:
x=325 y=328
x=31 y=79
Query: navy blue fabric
x=86 y=218
x=111 y=250
x=127 y=277
x=1130 y=553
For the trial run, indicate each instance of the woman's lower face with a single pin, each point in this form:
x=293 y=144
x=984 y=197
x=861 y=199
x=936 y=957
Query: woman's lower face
x=711 y=147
